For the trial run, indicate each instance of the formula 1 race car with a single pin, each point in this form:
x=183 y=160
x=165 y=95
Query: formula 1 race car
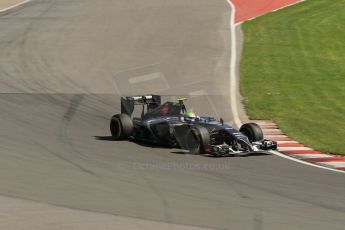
x=171 y=124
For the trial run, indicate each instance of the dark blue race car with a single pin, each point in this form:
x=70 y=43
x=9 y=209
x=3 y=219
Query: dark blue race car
x=171 y=124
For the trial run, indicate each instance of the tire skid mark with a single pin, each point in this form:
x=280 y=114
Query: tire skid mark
x=63 y=133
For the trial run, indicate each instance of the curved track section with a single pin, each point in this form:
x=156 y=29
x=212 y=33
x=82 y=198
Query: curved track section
x=63 y=65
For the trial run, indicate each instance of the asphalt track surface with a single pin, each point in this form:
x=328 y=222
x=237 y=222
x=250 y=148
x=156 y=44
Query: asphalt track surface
x=63 y=65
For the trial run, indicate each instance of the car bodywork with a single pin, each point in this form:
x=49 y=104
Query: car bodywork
x=166 y=124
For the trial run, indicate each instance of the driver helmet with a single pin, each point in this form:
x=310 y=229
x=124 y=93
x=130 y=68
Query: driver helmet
x=190 y=116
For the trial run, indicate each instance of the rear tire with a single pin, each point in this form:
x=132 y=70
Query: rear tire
x=197 y=139
x=252 y=131
x=121 y=126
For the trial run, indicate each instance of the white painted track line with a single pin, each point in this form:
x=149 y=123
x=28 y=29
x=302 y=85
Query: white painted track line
x=335 y=164
x=197 y=93
x=305 y=162
x=13 y=6
x=147 y=77
x=293 y=148
x=233 y=60
x=311 y=156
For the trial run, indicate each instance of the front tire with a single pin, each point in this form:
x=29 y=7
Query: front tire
x=121 y=126
x=197 y=139
x=252 y=131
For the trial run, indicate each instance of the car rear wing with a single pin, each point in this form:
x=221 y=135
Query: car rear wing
x=128 y=103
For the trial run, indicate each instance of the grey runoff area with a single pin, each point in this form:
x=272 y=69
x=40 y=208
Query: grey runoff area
x=63 y=67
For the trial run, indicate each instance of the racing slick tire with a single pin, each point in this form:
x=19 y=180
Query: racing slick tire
x=252 y=131
x=121 y=126
x=198 y=139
